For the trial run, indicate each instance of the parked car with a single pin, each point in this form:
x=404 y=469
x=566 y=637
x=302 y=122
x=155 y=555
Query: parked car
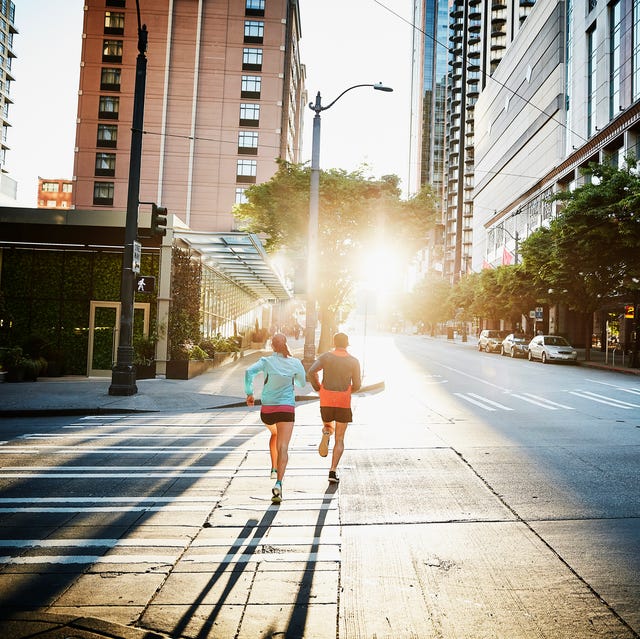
x=490 y=341
x=515 y=345
x=551 y=348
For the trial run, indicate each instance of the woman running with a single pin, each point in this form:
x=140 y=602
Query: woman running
x=281 y=372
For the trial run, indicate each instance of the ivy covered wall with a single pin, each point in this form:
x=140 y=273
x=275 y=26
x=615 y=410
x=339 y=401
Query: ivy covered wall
x=47 y=294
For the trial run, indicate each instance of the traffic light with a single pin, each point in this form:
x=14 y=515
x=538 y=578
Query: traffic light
x=158 y=220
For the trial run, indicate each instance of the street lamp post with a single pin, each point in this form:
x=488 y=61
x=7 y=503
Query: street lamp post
x=516 y=238
x=312 y=245
x=123 y=374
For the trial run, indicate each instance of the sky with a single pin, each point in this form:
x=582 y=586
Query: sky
x=344 y=42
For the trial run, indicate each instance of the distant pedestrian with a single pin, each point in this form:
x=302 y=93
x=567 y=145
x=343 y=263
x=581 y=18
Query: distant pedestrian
x=281 y=371
x=340 y=378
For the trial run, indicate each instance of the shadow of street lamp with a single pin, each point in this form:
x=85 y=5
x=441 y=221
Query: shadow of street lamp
x=312 y=245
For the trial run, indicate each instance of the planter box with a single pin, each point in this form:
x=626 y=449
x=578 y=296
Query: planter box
x=146 y=371
x=188 y=368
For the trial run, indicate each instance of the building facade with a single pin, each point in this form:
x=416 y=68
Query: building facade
x=566 y=95
x=224 y=98
x=479 y=36
x=8 y=186
x=54 y=194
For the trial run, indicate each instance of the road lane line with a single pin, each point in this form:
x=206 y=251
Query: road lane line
x=490 y=402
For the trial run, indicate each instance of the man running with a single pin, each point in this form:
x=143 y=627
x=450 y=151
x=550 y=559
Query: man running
x=340 y=378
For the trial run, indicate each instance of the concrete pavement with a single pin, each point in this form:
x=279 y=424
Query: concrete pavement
x=221 y=387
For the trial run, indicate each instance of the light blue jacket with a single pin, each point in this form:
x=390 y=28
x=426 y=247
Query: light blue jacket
x=280 y=374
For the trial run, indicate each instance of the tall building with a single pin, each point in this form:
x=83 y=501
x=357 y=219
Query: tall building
x=224 y=98
x=480 y=33
x=8 y=186
x=429 y=78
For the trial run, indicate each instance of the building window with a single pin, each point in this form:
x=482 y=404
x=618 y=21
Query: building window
x=241 y=197
x=246 y=171
x=591 y=81
x=103 y=193
x=110 y=79
x=67 y=187
x=254 y=7
x=116 y=3
x=50 y=187
x=109 y=107
x=113 y=23
x=249 y=115
x=112 y=51
x=248 y=142
x=252 y=85
x=615 y=58
x=107 y=135
x=105 y=164
x=253 y=31
x=251 y=59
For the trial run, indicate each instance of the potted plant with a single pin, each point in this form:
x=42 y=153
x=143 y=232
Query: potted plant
x=12 y=359
x=144 y=354
x=259 y=336
x=187 y=361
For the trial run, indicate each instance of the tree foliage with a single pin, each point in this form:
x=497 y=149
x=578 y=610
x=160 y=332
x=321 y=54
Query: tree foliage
x=355 y=214
x=589 y=252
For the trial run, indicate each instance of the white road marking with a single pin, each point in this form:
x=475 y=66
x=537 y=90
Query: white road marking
x=541 y=401
x=122 y=450
x=602 y=399
x=323 y=555
x=483 y=402
x=106 y=509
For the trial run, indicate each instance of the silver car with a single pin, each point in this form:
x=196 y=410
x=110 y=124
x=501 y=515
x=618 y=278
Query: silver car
x=515 y=345
x=552 y=348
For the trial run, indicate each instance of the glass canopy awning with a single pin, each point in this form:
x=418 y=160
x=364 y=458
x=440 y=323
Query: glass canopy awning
x=242 y=258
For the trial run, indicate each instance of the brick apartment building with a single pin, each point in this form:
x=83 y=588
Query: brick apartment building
x=224 y=98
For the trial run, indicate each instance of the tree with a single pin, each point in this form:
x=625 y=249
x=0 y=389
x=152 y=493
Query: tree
x=429 y=302
x=589 y=251
x=356 y=214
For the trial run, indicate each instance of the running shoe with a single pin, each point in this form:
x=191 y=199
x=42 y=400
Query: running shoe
x=333 y=477
x=323 y=448
x=277 y=493
x=274 y=473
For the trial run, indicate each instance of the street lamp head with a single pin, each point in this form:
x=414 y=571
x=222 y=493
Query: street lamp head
x=381 y=87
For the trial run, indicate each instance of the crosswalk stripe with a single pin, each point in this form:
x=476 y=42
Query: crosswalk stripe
x=323 y=555
x=104 y=509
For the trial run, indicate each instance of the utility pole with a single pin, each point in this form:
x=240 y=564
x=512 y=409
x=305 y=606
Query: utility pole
x=123 y=374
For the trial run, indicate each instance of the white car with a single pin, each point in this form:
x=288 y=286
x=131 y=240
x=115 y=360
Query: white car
x=551 y=348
